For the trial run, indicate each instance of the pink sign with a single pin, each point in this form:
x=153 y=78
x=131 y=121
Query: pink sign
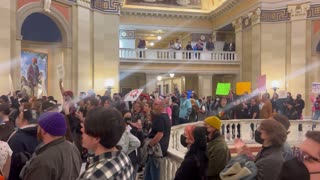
x=261 y=82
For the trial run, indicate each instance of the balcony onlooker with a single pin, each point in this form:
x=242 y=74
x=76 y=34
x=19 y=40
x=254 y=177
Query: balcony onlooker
x=210 y=45
x=177 y=45
x=188 y=48
x=199 y=47
x=141 y=45
x=229 y=46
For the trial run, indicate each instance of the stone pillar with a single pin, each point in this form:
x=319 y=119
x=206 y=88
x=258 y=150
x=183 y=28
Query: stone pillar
x=297 y=83
x=256 y=46
x=105 y=50
x=7 y=41
x=238 y=29
x=151 y=83
x=205 y=85
x=83 y=48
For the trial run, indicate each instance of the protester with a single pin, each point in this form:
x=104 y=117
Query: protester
x=5 y=159
x=102 y=131
x=6 y=126
x=218 y=151
x=56 y=158
x=265 y=107
x=195 y=163
x=185 y=109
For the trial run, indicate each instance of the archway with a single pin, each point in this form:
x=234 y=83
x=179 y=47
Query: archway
x=46 y=37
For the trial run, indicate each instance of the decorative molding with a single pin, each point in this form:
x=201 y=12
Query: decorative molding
x=255 y=16
x=225 y=7
x=127 y=34
x=246 y=22
x=298 y=11
x=165 y=14
x=274 y=15
x=314 y=11
x=107 y=6
x=84 y=3
x=237 y=24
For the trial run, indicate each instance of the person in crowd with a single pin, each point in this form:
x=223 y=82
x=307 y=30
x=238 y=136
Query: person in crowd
x=195 y=163
x=265 y=107
x=289 y=97
x=287 y=151
x=160 y=133
x=253 y=112
x=223 y=112
x=306 y=166
x=276 y=104
x=106 y=102
x=299 y=105
x=175 y=111
x=209 y=103
x=5 y=159
x=218 y=151
x=67 y=97
x=185 y=109
x=193 y=117
x=272 y=135
x=202 y=111
x=6 y=126
x=141 y=45
x=171 y=45
x=101 y=132
x=210 y=45
x=23 y=142
x=229 y=46
x=316 y=106
x=56 y=158
x=290 y=112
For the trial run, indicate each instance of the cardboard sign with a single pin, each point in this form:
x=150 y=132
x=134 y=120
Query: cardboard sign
x=189 y=93
x=282 y=94
x=261 y=82
x=315 y=87
x=242 y=87
x=60 y=71
x=223 y=88
x=133 y=95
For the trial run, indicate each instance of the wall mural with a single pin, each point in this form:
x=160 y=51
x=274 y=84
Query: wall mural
x=34 y=73
x=193 y=4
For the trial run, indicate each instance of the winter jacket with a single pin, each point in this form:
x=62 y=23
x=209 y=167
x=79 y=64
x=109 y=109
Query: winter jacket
x=269 y=162
x=56 y=160
x=23 y=143
x=219 y=156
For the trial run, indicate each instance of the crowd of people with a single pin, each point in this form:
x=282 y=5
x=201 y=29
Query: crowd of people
x=42 y=139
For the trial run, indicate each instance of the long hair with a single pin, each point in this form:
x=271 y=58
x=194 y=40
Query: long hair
x=198 y=151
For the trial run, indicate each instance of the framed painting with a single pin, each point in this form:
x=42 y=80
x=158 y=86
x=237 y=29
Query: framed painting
x=34 y=73
x=188 y=4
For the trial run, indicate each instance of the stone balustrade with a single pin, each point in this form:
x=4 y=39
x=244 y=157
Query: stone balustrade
x=246 y=130
x=179 y=55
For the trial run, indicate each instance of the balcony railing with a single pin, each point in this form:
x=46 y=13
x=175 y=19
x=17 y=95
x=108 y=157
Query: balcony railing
x=176 y=151
x=179 y=55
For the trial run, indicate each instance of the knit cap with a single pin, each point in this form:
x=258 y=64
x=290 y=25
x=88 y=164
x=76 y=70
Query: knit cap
x=214 y=121
x=53 y=123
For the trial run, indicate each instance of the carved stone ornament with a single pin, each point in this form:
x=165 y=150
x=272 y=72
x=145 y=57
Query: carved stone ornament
x=237 y=24
x=46 y=5
x=298 y=11
x=255 y=18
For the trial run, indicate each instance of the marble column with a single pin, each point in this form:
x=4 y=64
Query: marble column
x=105 y=50
x=238 y=29
x=151 y=83
x=298 y=68
x=7 y=42
x=205 y=85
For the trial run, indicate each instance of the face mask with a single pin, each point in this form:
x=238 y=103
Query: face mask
x=257 y=137
x=183 y=141
x=217 y=99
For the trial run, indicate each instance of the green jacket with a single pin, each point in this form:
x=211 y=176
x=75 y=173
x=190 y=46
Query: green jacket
x=219 y=156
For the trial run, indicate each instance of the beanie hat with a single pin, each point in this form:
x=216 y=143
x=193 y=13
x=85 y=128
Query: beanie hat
x=53 y=123
x=213 y=121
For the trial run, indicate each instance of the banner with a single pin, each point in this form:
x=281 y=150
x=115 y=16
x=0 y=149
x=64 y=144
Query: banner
x=133 y=95
x=243 y=87
x=261 y=82
x=223 y=88
x=315 y=87
x=282 y=94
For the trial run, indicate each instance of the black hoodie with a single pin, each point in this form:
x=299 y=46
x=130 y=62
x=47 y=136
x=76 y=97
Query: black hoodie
x=23 y=142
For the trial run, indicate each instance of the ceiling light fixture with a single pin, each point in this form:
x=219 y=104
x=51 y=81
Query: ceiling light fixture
x=171 y=75
x=159 y=38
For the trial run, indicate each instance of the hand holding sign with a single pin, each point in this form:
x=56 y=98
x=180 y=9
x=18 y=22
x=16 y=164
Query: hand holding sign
x=133 y=95
x=223 y=88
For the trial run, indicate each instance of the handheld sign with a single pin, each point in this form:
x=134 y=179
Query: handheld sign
x=315 y=87
x=223 y=88
x=60 y=71
x=243 y=87
x=133 y=95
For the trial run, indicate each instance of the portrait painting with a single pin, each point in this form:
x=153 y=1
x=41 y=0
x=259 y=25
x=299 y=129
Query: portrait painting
x=189 y=4
x=34 y=73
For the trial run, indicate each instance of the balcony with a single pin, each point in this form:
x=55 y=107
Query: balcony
x=177 y=56
x=176 y=151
